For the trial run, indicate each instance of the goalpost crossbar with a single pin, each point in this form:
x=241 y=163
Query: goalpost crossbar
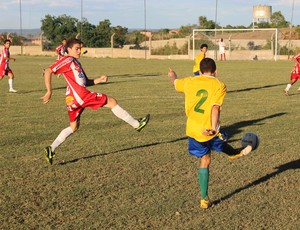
x=195 y=31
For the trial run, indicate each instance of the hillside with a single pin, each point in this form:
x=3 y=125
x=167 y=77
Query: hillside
x=25 y=32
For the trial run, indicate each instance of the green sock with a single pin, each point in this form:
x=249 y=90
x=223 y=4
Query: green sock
x=203 y=176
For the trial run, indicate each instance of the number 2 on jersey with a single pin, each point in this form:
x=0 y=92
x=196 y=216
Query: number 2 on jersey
x=202 y=93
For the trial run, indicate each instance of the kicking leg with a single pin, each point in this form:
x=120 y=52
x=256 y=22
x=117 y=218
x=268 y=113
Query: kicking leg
x=119 y=112
x=235 y=153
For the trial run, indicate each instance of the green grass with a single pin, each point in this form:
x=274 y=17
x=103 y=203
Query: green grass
x=108 y=176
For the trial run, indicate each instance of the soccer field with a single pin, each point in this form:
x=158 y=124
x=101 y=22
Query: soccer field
x=108 y=176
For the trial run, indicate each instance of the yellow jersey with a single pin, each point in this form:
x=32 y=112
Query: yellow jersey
x=198 y=59
x=201 y=94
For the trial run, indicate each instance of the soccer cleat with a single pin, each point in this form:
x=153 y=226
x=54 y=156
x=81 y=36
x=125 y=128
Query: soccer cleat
x=12 y=91
x=245 y=151
x=49 y=154
x=205 y=203
x=143 y=122
x=286 y=93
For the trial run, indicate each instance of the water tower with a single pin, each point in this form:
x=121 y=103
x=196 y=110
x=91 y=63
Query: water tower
x=261 y=13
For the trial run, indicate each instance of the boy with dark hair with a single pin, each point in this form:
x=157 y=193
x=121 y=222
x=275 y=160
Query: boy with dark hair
x=199 y=58
x=204 y=97
x=4 y=66
x=78 y=97
x=61 y=50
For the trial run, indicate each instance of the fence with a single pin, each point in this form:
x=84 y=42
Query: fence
x=146 y=54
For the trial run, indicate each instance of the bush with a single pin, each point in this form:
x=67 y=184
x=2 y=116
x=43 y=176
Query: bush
x=170 y=50
x=252 y=46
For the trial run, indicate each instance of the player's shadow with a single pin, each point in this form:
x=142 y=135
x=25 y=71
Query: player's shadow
x=121 y=150
x=39 y=90
x=293 y=165
x=56 y=88
x=104 y=83
x=232 y=130
x=255 y=88
x=236 y=128
x=136 y=75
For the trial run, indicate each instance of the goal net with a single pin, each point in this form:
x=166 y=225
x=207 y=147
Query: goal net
x=240 y=44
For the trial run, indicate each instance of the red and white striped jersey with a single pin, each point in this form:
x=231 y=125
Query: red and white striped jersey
x=75 y=78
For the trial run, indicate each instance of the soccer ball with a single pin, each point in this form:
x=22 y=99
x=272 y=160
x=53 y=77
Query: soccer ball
x=250 y=139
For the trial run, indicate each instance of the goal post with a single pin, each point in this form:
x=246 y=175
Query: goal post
x=246 y=44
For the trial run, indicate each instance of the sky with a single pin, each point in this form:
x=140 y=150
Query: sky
x=138 y=14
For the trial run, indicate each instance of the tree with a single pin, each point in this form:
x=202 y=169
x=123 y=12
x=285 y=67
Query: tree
x=87 y=31
x=135 y=38
x=165 y=31
x=252 y=46
x=263 y=24
x=120 y=35
x=57 y=28
x=278 y=20
x=103 y=32
x=185 y=30
x=161 y=34
x=206 y=24
x=14 y=38
x=236 y=27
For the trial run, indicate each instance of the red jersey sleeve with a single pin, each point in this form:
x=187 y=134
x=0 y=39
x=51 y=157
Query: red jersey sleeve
x=62 y=65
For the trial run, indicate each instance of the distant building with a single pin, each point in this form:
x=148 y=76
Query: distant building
x=147 y=33
x=36 y=41
x=174 y=32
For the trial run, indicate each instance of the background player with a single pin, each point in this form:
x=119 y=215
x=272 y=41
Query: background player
x=78 y=97
x=222 y=50
x=204 y=97
x=199 y=58
x=295 y=75
x=61 y=50
x=4 y=65
x=83 y=51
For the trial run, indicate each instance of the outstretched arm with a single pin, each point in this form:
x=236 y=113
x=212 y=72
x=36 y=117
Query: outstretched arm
x=172 y=75
x=215 y=116
x=13 y=59
x=48 y=83
x=101 y=79
x=6 y=56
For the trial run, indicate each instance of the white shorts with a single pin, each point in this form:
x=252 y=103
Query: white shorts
x=222 y=50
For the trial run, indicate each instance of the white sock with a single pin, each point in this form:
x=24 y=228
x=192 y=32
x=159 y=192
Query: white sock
x=64 y=134
x=10 y=83
x=288 y=87
x=125 y=116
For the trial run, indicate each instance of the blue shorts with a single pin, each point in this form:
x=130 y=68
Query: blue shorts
x=199 y=149
x=196 y=73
